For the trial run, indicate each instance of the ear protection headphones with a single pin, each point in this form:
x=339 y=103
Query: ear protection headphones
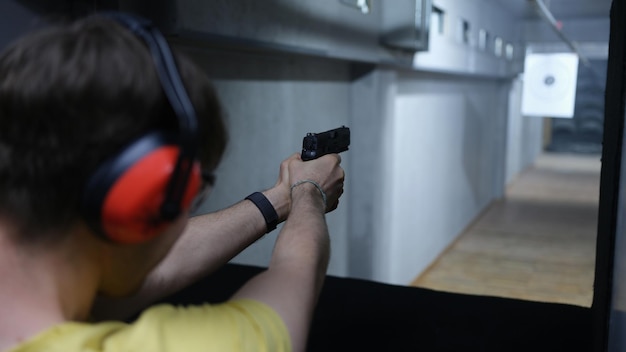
x=135 y=194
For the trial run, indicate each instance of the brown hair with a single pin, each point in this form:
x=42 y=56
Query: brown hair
x=71 y=96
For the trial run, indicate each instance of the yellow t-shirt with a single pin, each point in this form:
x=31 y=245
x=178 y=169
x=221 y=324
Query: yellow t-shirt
x=240 y=325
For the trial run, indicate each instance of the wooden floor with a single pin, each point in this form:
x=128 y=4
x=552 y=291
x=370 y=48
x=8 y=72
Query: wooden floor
x=536 y=244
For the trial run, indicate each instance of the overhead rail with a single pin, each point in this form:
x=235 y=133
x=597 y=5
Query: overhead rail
x=554 y=24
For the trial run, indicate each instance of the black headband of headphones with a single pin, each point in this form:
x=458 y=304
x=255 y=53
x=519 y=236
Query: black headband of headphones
x=175 y=92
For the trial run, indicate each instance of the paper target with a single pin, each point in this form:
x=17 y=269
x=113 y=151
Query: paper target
x=550 y=85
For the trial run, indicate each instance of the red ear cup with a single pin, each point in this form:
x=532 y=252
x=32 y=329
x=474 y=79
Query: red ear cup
x=131 y=210
x=132 y=196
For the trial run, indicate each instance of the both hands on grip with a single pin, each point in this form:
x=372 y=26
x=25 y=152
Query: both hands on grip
x=314 y=163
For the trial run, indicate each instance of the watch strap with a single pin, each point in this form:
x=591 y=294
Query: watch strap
x=266 y=208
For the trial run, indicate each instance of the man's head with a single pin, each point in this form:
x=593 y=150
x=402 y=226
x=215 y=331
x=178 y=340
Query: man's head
x=71 y=96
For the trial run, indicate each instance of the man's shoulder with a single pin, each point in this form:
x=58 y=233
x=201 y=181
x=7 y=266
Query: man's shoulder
x=242 y=324
x=233 y=325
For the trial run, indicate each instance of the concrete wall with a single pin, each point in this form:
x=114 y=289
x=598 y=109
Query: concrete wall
x=428 y=149
x=455 y=39
x=271 y=102
x=427 y=153
x=445 y=166
x=372 y=98
x=524 y=140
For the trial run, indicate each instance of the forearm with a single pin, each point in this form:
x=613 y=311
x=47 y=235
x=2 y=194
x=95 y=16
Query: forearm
x=208 y=242
x=295 y=276
x=211 y=240
x=304 y=243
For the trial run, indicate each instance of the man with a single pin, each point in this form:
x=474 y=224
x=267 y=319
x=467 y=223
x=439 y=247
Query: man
x=72 y=98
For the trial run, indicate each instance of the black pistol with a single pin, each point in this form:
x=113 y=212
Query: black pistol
x=315 y=145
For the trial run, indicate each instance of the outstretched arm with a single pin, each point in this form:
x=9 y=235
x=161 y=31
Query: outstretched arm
x=208 y=242
x=293 y=280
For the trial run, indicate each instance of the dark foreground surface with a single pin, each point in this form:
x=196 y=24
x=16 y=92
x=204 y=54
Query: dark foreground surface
x=360 y=315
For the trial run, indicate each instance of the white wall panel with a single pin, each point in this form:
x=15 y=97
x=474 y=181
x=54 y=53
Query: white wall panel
x=446 y=165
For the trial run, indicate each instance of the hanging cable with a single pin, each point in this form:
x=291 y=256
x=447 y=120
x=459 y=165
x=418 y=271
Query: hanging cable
x=554 y=24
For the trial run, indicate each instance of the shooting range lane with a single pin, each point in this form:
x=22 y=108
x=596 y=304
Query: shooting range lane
x=537 y=244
